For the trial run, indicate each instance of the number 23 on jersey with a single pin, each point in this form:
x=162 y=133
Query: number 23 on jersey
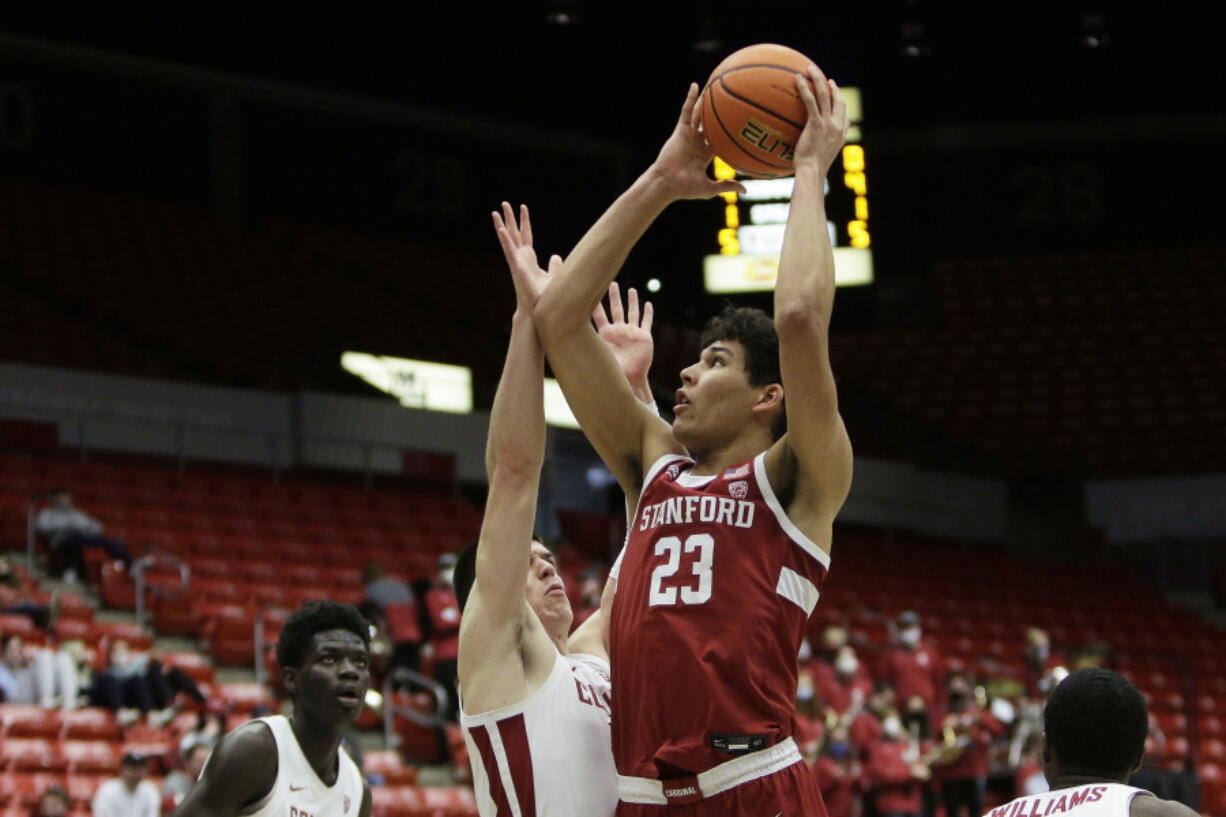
x=698 y=590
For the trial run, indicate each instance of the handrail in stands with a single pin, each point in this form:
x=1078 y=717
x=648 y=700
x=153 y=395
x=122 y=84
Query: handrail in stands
x=391 y=710
x=31 y=535
x=138 y=577
x=257 y=640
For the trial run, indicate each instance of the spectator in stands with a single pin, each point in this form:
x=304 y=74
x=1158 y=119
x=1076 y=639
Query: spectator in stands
x=839 y=774
x=913 y=666
x=964 y=780
x=809 y=728
x=1039 y=663
x=807 y=701
x=180 y=781
x=894 y=773
x=918 y=728
x=14 y=598
x=591 y=585
x=867 y=727
x=915 y=720
x=53 y=802
x=390 y=603
x=833 y=639
x=130 y=794
x=134 y=683
x=37 y=675
x=210 y=726
x=70 y=531
x=845 y=685
x=1030 y=779
x=444 y=613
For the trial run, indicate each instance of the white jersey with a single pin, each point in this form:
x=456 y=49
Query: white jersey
x=1093 y=800
x=551 y=754
x=298 y=791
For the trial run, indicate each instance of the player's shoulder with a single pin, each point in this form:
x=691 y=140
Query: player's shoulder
x=1147 y=805
x=249 y=751
x=253 y=735
x=243 y=768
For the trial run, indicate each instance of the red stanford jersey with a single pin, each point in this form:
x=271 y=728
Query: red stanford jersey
x=714 y=588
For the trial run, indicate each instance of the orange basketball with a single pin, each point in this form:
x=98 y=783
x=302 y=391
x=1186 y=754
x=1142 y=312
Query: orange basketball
x=752 y=114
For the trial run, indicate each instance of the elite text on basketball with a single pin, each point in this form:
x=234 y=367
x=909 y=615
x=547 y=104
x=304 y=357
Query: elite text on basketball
x=768 y=139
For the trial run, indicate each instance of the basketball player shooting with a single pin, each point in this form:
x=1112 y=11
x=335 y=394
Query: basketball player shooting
x=278 y=766
x=535 y=698
x=731 y=508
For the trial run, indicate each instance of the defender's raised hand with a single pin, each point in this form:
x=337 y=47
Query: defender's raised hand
x=627 y=333
x=826 y=128
x=682 y=163
x=516 y=240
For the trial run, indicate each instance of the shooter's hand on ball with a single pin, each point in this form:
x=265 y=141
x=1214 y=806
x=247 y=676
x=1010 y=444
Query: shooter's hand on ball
x=516 y=240
x=826 y=128
x=682 y=163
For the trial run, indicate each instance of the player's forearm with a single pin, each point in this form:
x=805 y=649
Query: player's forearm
x=804 y=293
x=592 y=265
x=515 y=448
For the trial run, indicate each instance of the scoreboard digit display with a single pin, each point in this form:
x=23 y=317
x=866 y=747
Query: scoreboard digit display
x=751 y=236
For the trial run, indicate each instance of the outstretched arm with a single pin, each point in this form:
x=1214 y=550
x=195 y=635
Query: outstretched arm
x=815 y=453
x=499 y=633
x=625 y=435
x=627 y=334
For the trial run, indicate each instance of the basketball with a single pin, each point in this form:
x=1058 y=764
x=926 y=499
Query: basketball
x=752 y=114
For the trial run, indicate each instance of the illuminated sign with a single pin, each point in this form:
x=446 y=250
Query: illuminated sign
x=415 y=383
x=751 y=237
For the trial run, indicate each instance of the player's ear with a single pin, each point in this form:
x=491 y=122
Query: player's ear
x=1136 y=767
x=289 y=678
x=771 y=397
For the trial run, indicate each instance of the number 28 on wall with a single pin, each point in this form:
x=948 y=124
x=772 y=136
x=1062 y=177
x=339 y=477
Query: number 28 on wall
x=671 y=548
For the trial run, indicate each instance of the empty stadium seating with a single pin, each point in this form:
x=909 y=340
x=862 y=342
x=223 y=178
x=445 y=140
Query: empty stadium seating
x=95 y=275
x=1099 y=364
x=237 y=534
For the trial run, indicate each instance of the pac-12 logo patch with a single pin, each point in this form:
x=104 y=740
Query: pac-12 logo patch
x=346 y=804
x=738 y=489
x=673 y=471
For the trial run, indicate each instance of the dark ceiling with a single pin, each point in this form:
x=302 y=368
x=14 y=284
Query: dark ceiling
x=619 y=69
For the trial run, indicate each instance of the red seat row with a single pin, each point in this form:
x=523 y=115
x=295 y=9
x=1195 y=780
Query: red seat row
x=22 y=789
